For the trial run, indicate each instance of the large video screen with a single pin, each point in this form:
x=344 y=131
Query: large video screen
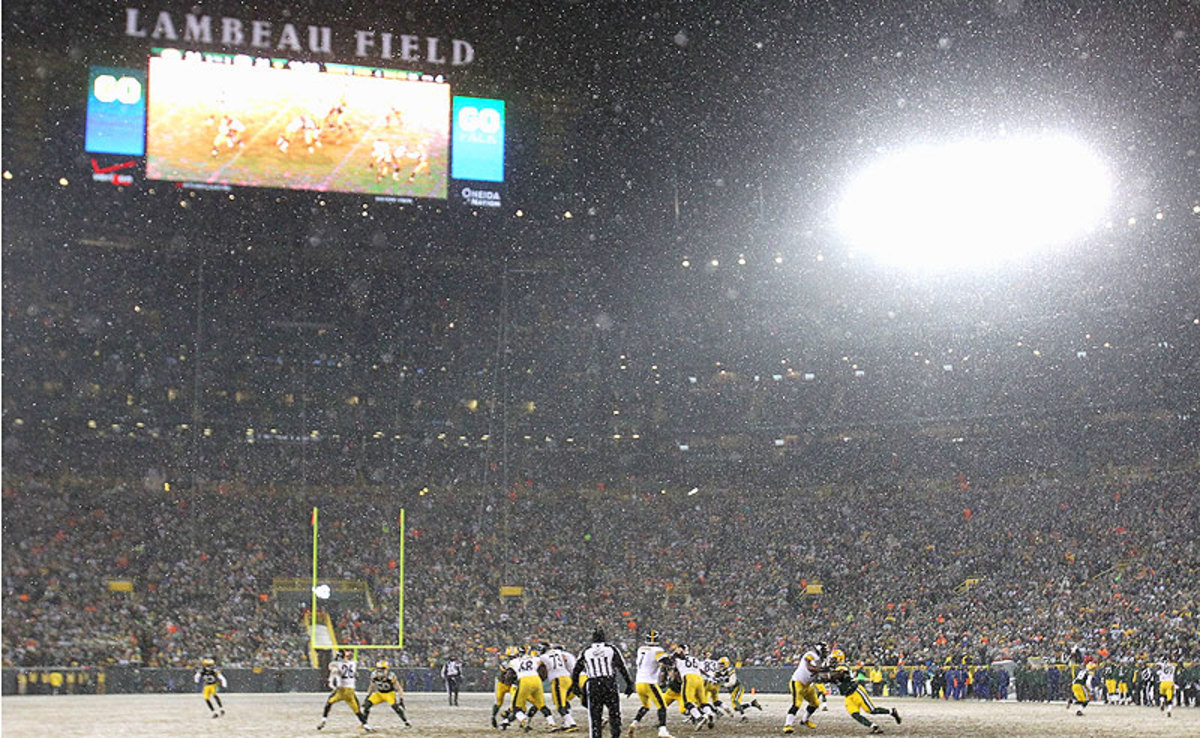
x=329 y=129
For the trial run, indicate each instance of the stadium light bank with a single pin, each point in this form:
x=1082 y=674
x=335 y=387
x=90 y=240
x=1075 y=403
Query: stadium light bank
x=974 y=204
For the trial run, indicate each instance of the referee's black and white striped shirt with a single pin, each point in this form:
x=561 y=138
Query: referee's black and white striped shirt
x=602 y=661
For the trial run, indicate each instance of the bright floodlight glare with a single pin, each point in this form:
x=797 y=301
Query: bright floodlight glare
x=975 y=202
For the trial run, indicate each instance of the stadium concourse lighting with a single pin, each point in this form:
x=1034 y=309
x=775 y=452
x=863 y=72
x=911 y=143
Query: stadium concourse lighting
x=975 y=202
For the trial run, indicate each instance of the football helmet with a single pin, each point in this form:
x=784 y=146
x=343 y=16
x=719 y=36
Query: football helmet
x=652 y=638
x=207 y=662
x=381 y=664
x=837 y=656
x=724 y=662
x=512 y=652
x=821 y=650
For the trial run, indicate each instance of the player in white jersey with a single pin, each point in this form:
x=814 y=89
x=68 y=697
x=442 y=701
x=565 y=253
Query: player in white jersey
x=229 y=134
x=530 y=671
x=343 y=680
x=712 y=690
x=695 y=696
x=651 y=658
x=1166 y=686
x=559 y=665
x=804 y=687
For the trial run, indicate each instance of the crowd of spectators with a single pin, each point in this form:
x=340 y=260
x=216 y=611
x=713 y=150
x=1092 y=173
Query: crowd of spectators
x=990 y=475
x=1021 y=568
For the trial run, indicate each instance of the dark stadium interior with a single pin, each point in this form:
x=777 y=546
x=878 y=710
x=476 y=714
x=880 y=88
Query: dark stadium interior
x=653 y=375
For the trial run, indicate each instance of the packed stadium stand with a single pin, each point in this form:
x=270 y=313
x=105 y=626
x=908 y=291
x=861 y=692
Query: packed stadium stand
x=956 y=476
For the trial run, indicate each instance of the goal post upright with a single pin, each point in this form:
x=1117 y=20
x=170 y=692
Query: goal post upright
x=312 y=628
x=400 y=622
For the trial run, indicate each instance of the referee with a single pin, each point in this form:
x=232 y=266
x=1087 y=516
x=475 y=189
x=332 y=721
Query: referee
x=602 y=662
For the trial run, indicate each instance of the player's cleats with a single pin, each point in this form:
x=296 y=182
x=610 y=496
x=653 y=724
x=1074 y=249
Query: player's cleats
x=876 y=729
x=754 y=703
x=662 y=732
x=896 y=715
x=810 y=724
x=788 y=729
x=321 y=724
x=222 y=712
x=1079 y=713
x=215 y=716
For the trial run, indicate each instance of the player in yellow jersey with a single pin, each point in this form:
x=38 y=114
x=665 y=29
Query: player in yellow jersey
x=506 y=682
x=210 y=677
x=343 y=679
x=385 y=687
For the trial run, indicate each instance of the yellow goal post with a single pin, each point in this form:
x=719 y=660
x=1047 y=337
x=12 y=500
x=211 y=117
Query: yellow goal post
x=334 y=645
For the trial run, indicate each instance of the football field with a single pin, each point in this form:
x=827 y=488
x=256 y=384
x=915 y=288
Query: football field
x=184 y=716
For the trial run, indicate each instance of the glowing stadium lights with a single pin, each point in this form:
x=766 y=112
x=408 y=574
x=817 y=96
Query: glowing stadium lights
x=974 y=202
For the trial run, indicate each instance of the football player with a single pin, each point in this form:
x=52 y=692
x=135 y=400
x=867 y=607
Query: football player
x=530 y=672
x=335 y=119
x=229 y=134
x=858 y=700
x=385 y=687
x=418 y=159
x=651 y=662
x=695 y=697
x=559 y=665
x=804 y=688
x=211 y=678
x=303 y=126
x=728 y=678
x=1166 y=686
x=506 y=683
x=343 y=680
x=712 y=686
x=1081 y=688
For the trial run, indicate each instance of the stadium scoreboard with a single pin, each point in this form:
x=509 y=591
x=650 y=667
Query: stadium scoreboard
x=220 y=121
